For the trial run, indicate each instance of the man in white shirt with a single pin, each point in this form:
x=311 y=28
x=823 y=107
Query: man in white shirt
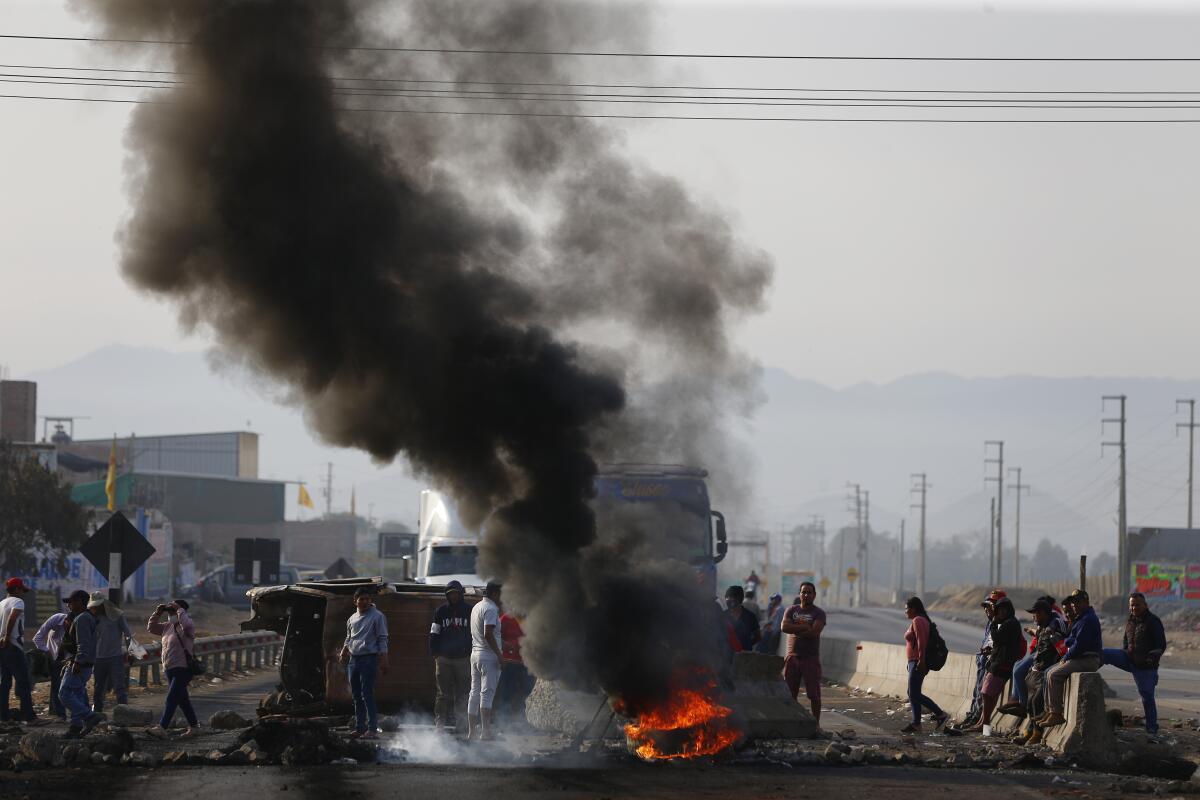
x=485 y=662
x=13 y=666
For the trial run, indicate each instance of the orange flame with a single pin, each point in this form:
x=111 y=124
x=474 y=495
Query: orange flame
x=705 y=722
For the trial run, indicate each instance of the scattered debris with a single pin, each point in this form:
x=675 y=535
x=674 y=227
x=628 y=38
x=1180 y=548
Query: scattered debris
x=227 y=720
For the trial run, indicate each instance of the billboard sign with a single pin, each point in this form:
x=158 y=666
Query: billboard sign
x=1166 y=582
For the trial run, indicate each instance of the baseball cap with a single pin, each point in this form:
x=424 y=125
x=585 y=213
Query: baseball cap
x=1041 y=605
x=454 y=586
x=16 y=583
x=78 y=594
x=1078 y=594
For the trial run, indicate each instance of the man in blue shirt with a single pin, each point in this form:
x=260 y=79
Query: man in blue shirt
x=364 y=652
x=1085 y=648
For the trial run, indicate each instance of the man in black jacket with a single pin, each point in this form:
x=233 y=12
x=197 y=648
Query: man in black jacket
x=450 y=646
x=1143 y=646
x=1049 y=635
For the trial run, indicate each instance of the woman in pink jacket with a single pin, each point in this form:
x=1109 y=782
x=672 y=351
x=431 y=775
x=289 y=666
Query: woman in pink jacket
x=916 y=642
x=178 y=634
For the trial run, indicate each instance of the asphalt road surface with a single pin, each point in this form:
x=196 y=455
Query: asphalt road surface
x=694 y=781
x=1178 y=693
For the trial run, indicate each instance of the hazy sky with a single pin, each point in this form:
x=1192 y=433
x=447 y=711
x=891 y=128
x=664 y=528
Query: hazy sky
x=900 y=248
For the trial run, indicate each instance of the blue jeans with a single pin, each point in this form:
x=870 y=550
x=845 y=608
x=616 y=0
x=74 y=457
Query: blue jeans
x=73 y=693
x=14 y=668
x=177 y=697
x=361 y=672
x=1020 y=670
x=1144 y=679
x=915 y=698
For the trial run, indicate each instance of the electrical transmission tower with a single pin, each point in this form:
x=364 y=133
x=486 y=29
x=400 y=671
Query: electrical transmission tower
x=1191 y=429
x=998 y=555
x=1122 y=554
x=920 y=486
x=1018 y=487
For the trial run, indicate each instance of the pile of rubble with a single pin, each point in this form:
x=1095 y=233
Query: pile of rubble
x=286 y=741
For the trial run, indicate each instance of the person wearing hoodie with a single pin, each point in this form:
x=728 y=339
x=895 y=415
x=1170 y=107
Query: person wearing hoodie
x=1008 y=645
x=1142 y=647
x=112 y=648
x=1085 y=648
x=450 y=646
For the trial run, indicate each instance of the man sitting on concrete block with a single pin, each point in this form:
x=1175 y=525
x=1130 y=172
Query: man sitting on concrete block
x=1085 y=647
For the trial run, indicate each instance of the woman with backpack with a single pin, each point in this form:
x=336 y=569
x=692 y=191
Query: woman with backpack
x=178 y=634
x=918 y=639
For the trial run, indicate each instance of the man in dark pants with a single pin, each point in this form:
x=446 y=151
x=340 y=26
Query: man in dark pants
x=14 y=667
x=450 y=646
x=1143 y=646
x=1085 y=649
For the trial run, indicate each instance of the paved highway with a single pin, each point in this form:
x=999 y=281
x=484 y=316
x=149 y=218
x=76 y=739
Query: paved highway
x=1178 y=689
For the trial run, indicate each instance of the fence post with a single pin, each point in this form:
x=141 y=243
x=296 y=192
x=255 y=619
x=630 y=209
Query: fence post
x=237 y=659
x=143 y=671
x=156 y=672
x=228 y=661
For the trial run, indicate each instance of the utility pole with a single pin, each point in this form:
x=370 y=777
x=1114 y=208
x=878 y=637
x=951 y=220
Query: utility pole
x=999 y=479
x=818 y=527
x=841 y=563
x=992 y=545
x=1122 y=555
x=857 y=508
x=1018 y=487
x=329 y=489
x=864 y=558
x=920 y=486
x=900 y=566
x=1191 y=428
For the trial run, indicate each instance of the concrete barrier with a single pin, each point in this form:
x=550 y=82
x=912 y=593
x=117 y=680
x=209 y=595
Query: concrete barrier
x=883 y=668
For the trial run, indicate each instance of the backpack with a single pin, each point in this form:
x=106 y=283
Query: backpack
x=936 y=651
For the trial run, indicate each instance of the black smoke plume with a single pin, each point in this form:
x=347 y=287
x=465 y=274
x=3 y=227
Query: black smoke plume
x=426 y=285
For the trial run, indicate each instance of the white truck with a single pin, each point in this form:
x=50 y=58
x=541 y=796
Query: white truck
x=446 y=549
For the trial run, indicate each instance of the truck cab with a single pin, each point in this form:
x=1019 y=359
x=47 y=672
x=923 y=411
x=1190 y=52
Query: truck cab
x=446 y=549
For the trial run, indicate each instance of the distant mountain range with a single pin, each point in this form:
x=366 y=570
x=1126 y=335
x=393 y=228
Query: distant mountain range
x=807 y=441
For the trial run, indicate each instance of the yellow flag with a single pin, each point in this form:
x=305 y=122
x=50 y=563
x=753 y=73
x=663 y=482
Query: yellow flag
x=304 y=498
x=110 y=483
x=353 y=513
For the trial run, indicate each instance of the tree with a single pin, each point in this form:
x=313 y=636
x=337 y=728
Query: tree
x=1050 y=563
x=38 y=518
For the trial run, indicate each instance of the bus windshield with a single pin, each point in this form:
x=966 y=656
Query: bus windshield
x=673 y=512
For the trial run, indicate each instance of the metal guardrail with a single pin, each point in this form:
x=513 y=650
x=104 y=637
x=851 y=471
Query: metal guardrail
x=234 y=651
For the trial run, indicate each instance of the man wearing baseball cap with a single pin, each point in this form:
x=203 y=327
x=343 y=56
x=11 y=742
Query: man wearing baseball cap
x=1085 y=648
x=13 y=666
x=450 y=646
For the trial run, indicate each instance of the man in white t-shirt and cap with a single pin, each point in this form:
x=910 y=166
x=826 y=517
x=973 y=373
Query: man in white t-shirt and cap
x=485 y=662
x=14 y=668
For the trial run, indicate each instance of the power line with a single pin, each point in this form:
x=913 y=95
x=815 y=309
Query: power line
x=672 y=117
x=833 y=102
x=654 y=87
x=618 y=54
x=698 y=100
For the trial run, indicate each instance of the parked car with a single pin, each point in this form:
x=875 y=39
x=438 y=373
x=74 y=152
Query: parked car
x=218 y=585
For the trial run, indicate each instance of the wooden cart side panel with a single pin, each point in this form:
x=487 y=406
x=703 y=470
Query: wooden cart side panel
x=410 y=681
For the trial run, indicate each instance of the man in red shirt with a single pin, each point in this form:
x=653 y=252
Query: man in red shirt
x=803 y=623
x=515 y=681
